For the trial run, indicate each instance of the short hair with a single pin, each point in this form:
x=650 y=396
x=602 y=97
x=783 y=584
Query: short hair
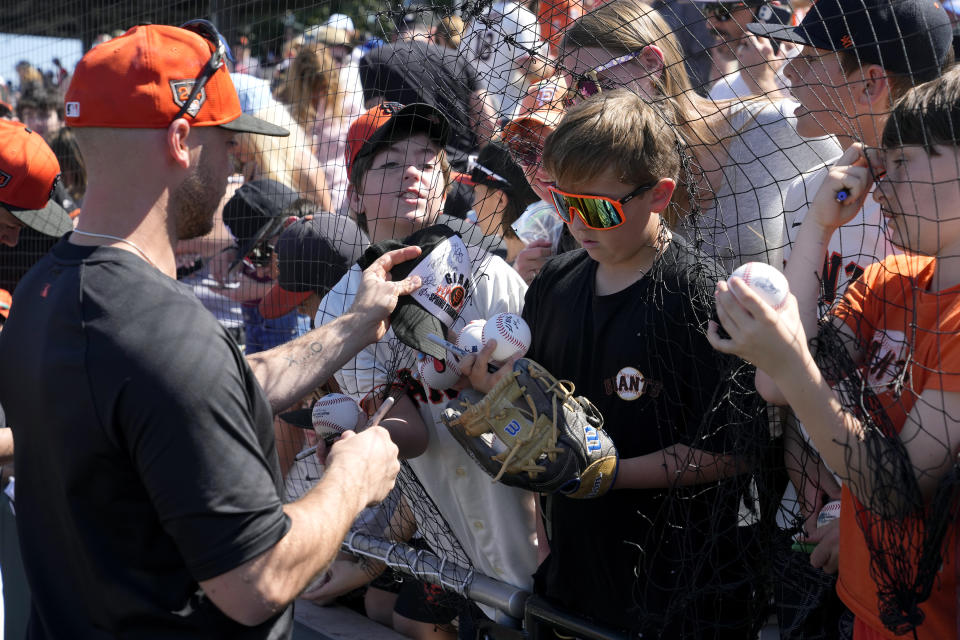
x=613 y=130
x=40 y=100
x=927 y=115
x=900 y=83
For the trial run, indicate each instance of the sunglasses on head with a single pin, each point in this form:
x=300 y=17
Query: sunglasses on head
x=590 y=84
x=596 y=212
x=721 y=11
x=483 y=175
x=221 y=53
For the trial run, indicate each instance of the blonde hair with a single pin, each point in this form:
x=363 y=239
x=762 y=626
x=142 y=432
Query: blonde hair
x=449 y=32
x=313 y=75
x=627 y=26
x=287 y=160
x=614 y=130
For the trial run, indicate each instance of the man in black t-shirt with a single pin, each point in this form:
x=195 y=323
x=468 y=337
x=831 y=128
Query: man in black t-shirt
x=624 y=320
x=412 y=70
x=148 y=481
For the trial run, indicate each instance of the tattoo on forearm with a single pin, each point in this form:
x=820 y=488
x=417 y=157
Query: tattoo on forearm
x=313 y=350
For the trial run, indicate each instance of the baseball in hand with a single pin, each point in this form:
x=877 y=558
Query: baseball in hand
x=512 y=334
x=438 y=374
x=765 y=281
x=471 y=336
x=335 y=413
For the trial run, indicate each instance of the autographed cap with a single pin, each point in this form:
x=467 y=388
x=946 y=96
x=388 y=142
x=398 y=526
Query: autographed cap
x=313 y=254
x=444 y=269
x=391 y=121
x=142 y=80
x=905 y=36
x=29 y=175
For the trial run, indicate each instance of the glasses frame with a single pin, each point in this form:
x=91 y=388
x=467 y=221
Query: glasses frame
x=221 y=53
x=721 y=11
x=618 y=204
x=583 y=88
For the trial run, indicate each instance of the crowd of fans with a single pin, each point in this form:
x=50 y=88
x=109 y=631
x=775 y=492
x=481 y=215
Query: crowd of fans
x=605 y=165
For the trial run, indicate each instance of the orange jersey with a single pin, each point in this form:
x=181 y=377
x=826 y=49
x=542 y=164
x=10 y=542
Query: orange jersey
x=912 y=340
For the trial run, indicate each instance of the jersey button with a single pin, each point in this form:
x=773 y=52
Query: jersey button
x=477 y=524
x=461 y=471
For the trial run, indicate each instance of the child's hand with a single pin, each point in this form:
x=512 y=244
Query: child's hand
x=773 y=341
x=474 y=367
x=843 y=191
x=826 y=555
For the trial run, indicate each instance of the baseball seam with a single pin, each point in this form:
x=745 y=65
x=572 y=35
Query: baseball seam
x=502 y=330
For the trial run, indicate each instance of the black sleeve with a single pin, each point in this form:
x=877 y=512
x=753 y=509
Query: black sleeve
x=190 y=419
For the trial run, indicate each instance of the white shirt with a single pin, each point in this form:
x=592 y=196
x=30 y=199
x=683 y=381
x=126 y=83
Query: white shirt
x=492 y=42
x=493 y=523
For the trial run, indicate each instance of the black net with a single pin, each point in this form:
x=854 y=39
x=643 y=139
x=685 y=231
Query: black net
x=714 y=545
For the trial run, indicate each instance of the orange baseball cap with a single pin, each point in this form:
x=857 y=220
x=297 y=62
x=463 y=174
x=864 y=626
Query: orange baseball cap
x=142 y=79
x=29 y=173
x=391 y=121
x=542 y=105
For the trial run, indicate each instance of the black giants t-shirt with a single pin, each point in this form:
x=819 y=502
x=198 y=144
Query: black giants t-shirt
x=145 y=455
x=642 y=357
x=417 y=71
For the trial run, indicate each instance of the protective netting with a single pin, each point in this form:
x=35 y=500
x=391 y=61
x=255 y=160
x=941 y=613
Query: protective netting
x=749 y=128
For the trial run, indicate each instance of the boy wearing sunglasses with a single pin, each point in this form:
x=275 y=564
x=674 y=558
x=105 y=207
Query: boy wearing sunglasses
x=624 y=319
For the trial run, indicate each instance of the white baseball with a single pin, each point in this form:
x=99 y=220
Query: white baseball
x=438 y=374
x=512 y=334
x=471 y=336
x=335 y=413
x=765 y=281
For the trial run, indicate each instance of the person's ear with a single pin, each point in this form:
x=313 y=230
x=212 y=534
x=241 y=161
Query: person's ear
x=177 y=134
x=353 y=198
x=651 y=58
x=660 y=195
x=875 y=89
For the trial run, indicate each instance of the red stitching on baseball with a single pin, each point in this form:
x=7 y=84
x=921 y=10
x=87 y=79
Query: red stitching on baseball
x=509 y=336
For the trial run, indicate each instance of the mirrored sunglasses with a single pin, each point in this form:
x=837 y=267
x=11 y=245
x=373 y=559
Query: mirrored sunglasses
x=596 y=212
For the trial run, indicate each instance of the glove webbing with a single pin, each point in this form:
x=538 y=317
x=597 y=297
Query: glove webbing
x=532 y=446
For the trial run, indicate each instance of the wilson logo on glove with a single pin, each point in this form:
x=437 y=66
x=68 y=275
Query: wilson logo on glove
x=544 y=438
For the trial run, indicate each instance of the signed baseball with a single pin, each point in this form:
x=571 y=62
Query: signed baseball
x=335 y=413
x=765 y=281
x=830 y=511
x=438 y=374
x=471 y=336
x=512 y=334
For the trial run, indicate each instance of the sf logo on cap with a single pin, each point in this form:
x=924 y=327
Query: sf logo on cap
x=181 y=93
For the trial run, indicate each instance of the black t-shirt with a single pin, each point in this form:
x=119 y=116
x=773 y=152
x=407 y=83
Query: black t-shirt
x=417 y=71
x=145 y=455
x=642 y=357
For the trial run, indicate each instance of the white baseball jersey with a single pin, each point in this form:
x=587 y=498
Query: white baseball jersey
x=493 y=523
x=492 y=42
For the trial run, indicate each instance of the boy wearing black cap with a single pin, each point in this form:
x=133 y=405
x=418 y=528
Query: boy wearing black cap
x=398 y=174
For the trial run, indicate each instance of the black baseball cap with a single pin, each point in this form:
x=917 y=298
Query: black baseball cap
x=256 y=212
x=912 y=37
x=447 y=279
x=313 y=254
